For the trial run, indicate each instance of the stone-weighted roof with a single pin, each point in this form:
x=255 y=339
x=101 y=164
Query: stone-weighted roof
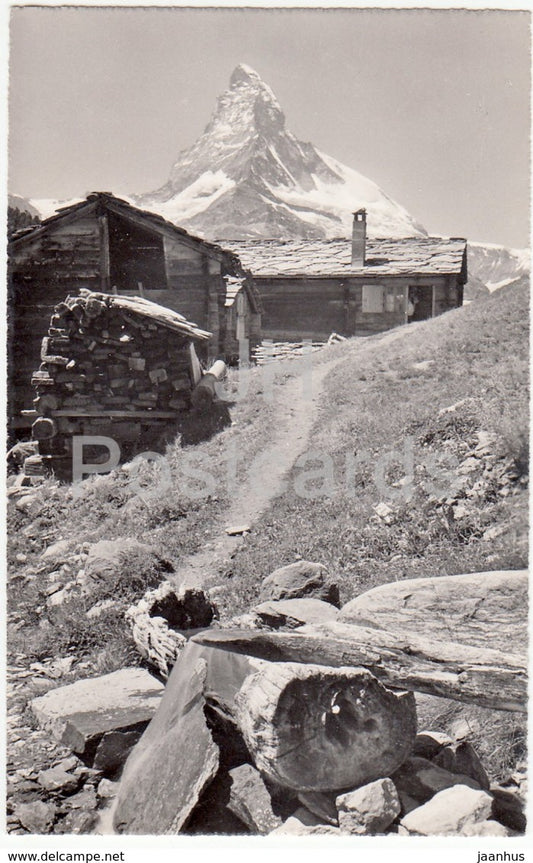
x=384 y=257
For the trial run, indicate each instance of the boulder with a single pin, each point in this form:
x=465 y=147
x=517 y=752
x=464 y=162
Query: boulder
x=114 y=748
x=107 y=789
x=79 y=714
x=485 y=828
x=173 y=762
x=473 y=605
x=449 y=812
x=369 y=809
x=509 y=808
x=79 y=822
x=250 y=801
x=300 y=579
x=294 y=612
x=109 y=560
x=421 y=779
x=36 y=817
x=461 y=757
x=429 y=743
x=58 y=780
x=302 y=822
x=57 y=552
x=321 y=804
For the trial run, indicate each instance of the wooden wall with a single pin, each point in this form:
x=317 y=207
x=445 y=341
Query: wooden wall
x=299 y=308
x=42 y=272
x=69 y=255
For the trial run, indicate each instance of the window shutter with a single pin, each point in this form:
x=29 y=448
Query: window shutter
x=373 y=298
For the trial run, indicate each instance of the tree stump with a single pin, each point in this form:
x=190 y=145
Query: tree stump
x=314 y=728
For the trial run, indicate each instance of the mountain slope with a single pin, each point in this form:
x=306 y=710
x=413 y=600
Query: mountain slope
x=248 y=176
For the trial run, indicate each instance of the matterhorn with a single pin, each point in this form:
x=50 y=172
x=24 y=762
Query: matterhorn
x=248 y=176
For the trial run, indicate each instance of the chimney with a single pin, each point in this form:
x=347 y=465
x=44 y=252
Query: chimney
x=359 y=238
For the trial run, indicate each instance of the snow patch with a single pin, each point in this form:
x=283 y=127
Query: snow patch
x=194 y=199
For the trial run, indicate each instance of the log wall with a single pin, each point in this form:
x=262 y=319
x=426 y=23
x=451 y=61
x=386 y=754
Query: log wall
x=299 y=308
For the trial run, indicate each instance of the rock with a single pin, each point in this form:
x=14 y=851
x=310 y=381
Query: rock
x=429 y=743
x=55 y=779
x=298 y=580
x=238 y=530
x=250 y=800
x=85 y=799
x=114 y=748
x=69 y=763
x=79 y=714
x=485 y=828
x=294 y=612
x=25 y=503
x=321 y=804
x=36 y=817
x=407 y=803
x=57 y=552
x=369 y=809
x=107 y=560
x=462 y=758
x=77 y=822
x=471 y=604
x=173 y=762
x=509 y=808
x=449 y=812
x=421 y=779
x=101 y=607
x=304 y=823
x=107 y=789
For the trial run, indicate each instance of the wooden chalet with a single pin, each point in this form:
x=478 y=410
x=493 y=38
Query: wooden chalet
x=105 y=244
x=312 y=288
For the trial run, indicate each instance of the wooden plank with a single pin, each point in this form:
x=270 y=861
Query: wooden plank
x=74 y=412
x=105 y=265
x=448 y=669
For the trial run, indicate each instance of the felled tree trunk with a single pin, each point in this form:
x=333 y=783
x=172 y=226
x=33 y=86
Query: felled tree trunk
x=402 y=661
x=314 y=728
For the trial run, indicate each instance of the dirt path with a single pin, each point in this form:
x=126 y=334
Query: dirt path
x=297 y=404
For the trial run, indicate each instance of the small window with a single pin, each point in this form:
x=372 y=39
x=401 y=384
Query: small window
x=373 y=299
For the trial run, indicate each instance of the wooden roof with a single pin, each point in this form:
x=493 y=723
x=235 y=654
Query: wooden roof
x=384 y=257
x=146 y=309
x=105 y=200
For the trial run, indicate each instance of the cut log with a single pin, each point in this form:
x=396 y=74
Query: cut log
x=43 y=428
x=480 y=609
x=313 y=728
x=444 y=668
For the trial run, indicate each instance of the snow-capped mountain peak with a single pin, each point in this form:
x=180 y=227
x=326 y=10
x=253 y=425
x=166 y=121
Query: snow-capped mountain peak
x=247 y=175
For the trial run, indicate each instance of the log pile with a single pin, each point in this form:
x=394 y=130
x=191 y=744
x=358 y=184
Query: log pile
x=110 y=364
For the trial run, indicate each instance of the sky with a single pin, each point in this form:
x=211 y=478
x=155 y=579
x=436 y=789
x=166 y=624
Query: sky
x=432 y=105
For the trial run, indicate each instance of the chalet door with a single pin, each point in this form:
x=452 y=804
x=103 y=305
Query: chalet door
x=423 y=302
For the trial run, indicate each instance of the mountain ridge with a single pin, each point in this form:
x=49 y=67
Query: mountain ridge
x=248 y=176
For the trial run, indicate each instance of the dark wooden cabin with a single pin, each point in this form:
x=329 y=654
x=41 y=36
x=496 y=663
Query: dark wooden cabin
x=312 y=288
x=105 y=244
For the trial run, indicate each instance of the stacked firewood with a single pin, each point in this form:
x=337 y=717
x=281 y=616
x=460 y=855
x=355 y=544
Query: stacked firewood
x=108 y=356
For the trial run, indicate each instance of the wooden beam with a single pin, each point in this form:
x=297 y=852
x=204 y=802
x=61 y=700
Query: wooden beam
x=112 y=413
x=401 y=661
x=105 y=265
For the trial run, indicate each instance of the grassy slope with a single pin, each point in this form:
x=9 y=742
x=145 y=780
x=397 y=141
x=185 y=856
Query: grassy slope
x=374 y=404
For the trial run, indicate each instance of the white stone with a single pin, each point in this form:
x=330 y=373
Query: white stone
x=485 y=828
x=369 y=809
x=449 y=812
